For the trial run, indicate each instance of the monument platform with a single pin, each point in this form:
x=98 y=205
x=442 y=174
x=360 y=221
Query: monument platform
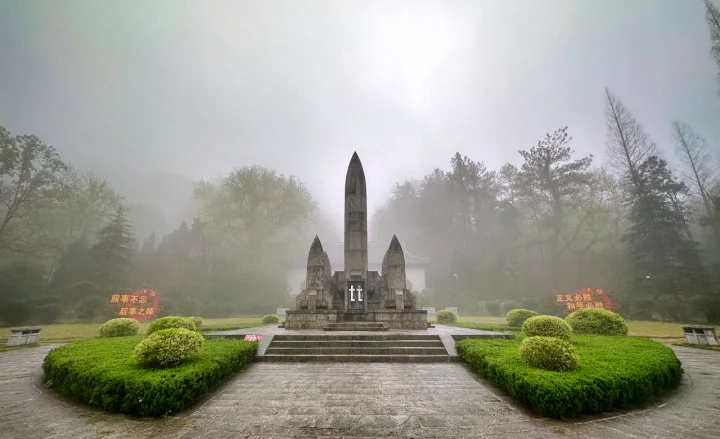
x=320 y=319
x=436 y=344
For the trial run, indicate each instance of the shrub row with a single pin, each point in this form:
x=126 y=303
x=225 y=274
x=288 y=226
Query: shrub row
x=613 y=371
x=103 y=373
x=445 y=316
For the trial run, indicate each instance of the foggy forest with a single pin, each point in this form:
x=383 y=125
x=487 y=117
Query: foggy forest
x=637 y=213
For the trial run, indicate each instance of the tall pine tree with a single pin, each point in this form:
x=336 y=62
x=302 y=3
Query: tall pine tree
x=666 y=260
x=113 y=254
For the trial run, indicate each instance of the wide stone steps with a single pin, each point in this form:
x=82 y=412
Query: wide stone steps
x=356 y=343
x=356 y=326
x=406 y=348
x=369 y=350
x=353 y=337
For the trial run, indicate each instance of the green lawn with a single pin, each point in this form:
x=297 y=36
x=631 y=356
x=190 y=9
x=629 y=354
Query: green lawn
x=64 y=332
x=664 y=331
x=102 y=373
x=614 y=371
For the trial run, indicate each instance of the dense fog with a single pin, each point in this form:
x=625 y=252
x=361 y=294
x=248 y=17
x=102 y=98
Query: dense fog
x=522 y=149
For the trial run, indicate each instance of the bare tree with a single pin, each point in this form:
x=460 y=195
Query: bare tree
x=698 y=164
x=30 y=177
x=627 y=143
x=712 y=16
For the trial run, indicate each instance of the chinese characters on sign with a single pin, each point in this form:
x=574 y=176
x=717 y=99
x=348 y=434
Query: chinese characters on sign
x=584 y=298
x=140 y=305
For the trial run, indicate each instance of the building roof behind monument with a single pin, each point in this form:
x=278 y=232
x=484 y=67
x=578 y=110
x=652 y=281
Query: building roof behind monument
x=376 y=252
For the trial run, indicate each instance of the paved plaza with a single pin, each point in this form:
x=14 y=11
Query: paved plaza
x=336 y=400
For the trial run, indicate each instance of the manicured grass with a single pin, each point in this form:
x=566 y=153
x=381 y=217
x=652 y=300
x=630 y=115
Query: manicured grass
x=102 y=373
x=613 y=371
x=667 y=331
x=65 y=332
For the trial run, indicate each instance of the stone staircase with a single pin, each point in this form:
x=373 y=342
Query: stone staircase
x=405 y=348
x=356 y=326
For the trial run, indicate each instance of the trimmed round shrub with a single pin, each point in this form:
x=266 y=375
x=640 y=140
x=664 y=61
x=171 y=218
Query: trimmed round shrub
x=119 y=327
x=171 y=322
x=547 y=326
x=168 y=347
x=549 y=353
x=516 y=317
x=597 y=321
x=270 y=318
x=197 y=321
x=445 y=316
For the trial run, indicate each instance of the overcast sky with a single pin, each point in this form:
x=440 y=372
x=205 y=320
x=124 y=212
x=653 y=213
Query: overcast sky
x=200 y=87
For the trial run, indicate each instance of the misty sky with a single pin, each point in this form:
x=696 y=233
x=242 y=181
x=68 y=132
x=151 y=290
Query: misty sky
x=200 y=87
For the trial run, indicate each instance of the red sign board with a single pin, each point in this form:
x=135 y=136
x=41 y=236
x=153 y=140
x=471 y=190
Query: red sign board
x=250 y=337
x=139 y=305
x=584 y=298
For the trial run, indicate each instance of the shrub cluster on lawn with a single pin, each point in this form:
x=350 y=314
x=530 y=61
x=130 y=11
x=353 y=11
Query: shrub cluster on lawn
x=516 y=317
x=445 y=316
x=597 y=321
x=270 y=319
x=613 y=371
x=103 y=373
x=119 y=327
x=171 y=322
x=547 y=326
x=549 y=353
x=168 y=347
x=197 y=321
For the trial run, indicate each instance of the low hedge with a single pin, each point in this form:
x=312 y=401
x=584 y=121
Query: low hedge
x=168 y=347
x=270 y=318
x=445 y=316
x=547 y=326
x=549 y=353
x=171 y=322
x=597 y=321
x=516 y=317
x=119 y=327
x=102 y=373
x=613 y=371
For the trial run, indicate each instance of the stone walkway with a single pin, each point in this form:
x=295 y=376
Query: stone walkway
x=334 y=400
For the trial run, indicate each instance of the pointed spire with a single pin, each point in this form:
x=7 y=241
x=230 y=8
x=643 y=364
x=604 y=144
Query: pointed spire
x=316 y=244
x=355 y=177
x=316 y=253
x=395 y=243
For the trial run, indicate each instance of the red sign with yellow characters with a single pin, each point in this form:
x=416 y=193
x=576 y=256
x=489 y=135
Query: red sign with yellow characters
x=140 y=305
x=584 y=298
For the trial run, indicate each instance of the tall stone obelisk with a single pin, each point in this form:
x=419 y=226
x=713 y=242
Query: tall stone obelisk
x=356 y=247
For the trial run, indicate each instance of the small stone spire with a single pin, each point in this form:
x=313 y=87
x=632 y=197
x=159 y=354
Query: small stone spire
x=394 y=265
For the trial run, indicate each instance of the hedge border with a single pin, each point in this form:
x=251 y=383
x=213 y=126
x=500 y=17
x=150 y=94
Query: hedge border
x=102 y=373
x=613 y=371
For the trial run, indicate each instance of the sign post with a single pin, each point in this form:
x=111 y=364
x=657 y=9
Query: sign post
x=584 y=298
x=140 y=305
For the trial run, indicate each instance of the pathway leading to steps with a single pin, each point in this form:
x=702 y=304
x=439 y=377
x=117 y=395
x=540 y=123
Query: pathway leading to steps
x=347 y=400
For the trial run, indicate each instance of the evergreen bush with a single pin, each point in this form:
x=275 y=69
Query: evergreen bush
x=101 y=372
x=445 y=316
x=168 y=347
x=171 y=322
x=613 y=372
x=516 y=317
x=119 y=327
x=197 y=321
x=549 y=353
x=270 y=319
x=597 y=321
x=547 y=326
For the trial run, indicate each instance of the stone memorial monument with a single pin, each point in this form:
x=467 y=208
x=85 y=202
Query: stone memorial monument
x=356 y=298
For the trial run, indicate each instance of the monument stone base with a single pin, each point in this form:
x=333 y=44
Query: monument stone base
x=393 y=319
